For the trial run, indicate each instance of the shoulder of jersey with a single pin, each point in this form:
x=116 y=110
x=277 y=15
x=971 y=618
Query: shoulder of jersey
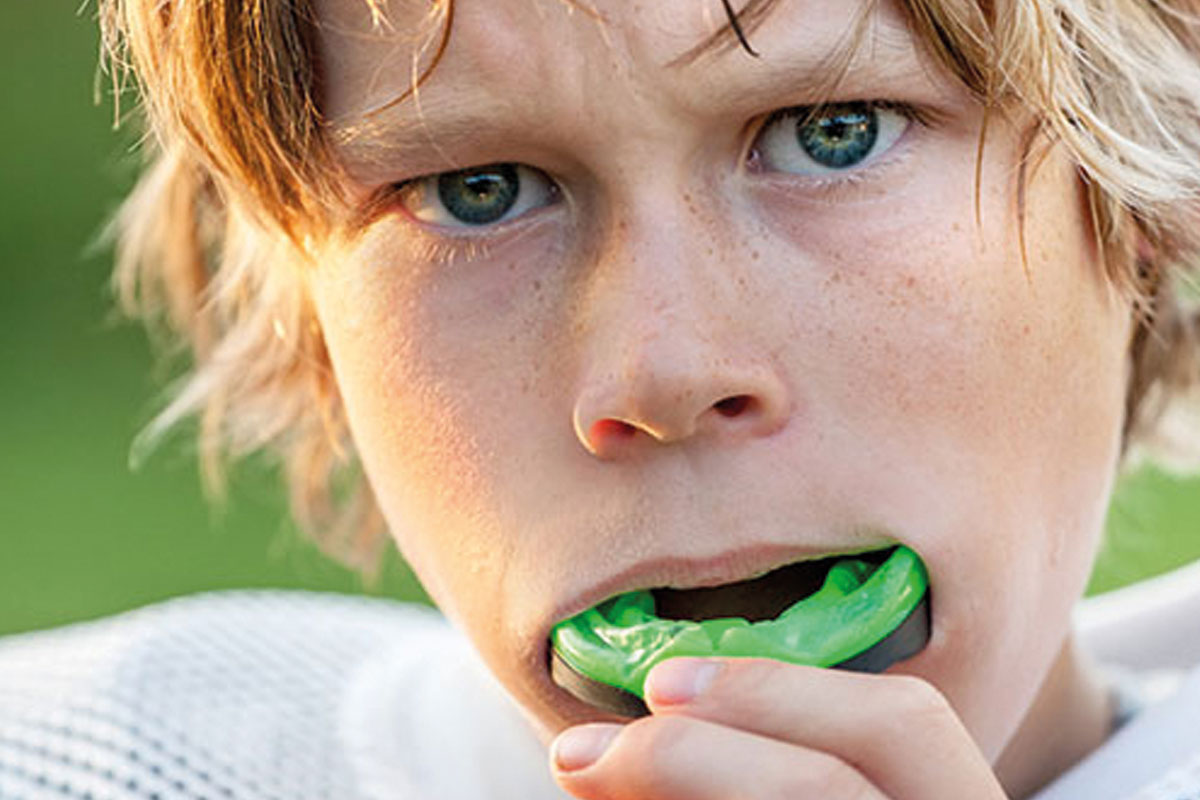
x=226 y=695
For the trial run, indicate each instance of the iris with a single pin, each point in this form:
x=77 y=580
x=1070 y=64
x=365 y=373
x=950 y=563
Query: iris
x=480 y=195
x=839 y=136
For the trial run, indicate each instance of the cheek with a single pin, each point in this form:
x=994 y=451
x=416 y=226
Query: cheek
x=447 y=372
x=982 y=400
x=409 y=428
x=933 y=329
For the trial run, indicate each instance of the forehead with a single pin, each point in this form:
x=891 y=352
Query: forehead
x=537 y=50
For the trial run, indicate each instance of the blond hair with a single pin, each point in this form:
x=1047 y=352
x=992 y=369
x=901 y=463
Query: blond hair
x=241 y=176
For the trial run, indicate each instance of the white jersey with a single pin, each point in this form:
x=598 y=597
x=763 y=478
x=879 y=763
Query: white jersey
x=272 y=695
x=1150 y=633
x=262 y=695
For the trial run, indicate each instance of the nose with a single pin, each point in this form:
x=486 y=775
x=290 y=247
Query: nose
x=675 y=349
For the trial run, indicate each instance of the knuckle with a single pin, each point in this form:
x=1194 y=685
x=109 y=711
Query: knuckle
x=918 y=698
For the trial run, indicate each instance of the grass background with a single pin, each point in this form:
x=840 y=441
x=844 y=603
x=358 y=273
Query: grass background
x=81 y=535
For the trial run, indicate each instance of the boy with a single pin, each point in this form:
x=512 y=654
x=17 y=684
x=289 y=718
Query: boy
x=613 y=297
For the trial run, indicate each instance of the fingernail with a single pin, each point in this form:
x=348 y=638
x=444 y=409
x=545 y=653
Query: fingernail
x=679 y=680
x=578 y=747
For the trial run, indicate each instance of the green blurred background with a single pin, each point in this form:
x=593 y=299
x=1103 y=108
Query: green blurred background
x=81 y=535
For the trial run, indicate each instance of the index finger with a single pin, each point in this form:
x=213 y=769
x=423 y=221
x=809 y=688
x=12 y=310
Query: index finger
x=897 y=730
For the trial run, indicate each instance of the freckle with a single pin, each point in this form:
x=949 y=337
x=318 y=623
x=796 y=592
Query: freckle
x=910 y=281
x=754 y=255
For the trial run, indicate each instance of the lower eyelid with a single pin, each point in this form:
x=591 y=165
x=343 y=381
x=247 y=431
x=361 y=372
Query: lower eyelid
x=873 y=182
x=500 y=229
x=441 y=245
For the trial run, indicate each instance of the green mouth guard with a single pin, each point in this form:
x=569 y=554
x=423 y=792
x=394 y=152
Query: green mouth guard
x=865 y=617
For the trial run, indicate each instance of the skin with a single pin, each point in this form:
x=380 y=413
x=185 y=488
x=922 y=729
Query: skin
x=543 y=406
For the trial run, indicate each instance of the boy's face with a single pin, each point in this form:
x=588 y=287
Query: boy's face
x=684 y=355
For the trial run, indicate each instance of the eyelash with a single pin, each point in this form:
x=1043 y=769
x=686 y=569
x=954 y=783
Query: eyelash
x=445 y=243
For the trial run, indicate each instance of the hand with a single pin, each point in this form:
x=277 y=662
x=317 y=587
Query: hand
x=753 y=728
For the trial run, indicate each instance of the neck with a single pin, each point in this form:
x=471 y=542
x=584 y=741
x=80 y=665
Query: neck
x=1070 y=717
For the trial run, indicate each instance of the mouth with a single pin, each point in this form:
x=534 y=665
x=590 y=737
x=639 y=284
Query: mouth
x=863 y=612
x=756 y=599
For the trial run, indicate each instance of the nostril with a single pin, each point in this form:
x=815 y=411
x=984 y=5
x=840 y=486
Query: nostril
x=612 y=428
x=732 y=406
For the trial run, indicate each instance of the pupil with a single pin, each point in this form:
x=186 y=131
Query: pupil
x=481 y=195
x=841 y=135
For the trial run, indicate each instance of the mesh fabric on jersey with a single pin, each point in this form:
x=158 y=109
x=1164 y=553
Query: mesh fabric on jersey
x=256 y=696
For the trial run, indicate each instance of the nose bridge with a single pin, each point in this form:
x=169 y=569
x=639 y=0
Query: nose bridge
x=670 y=344
x=653 y=273
x=654 y=295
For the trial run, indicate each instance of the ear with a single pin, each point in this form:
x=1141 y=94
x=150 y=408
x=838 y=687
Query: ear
x=1143 y=252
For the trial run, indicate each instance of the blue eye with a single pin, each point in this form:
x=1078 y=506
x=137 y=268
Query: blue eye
x=478 y=196
x=828 y=139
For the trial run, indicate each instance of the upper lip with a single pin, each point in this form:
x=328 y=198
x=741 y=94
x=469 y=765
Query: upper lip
x=730 y=566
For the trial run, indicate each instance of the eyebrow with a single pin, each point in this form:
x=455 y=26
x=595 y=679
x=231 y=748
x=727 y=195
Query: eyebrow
x=433 y=131
x=741 y=23
x=424 y=131
x=837 y=63
x=891 y=59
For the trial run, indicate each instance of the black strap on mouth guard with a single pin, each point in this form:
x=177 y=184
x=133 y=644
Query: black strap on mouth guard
x=904 y=642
